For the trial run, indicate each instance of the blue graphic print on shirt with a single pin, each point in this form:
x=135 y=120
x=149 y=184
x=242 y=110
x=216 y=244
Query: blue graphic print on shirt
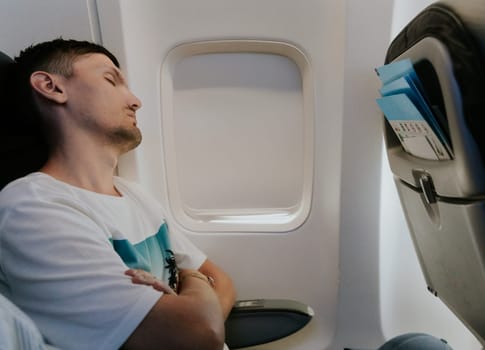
x=149 y=255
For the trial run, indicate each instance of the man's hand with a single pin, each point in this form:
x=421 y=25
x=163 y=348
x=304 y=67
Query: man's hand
x=146 y=278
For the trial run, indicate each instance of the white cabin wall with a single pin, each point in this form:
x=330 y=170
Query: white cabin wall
x=407 y=306
x=366 y=39
x=26 y=22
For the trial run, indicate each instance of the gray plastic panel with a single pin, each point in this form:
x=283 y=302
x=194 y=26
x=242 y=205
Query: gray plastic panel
x=259 y=321
x=464 y=175
x=450 y=245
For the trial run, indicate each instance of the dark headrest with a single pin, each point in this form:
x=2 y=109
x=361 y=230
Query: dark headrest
x=22 y=145
x=5 y=62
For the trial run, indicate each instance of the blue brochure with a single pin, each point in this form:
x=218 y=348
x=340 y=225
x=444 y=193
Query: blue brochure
x=405 y=106
x=395 y=70
x=416 y=135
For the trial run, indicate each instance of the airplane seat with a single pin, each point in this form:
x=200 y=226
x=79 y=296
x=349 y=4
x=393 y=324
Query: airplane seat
x=444 y=198
x=22 y=151
x=23 y=147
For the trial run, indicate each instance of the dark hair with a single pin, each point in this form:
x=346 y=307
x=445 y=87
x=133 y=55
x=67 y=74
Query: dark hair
x=57 y=56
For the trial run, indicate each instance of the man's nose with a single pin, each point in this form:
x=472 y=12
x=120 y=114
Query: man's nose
x=135 y=102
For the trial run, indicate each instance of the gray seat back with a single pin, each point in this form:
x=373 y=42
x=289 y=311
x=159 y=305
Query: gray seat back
x=444 y=200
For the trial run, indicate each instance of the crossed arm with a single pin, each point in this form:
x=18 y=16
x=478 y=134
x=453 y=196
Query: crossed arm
x=195 y=315
x=223 y=286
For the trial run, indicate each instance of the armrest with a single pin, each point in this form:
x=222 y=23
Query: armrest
x=259 y=321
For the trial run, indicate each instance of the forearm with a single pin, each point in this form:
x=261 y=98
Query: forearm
x=223 y=286
x=226 y=294
x=196 y=288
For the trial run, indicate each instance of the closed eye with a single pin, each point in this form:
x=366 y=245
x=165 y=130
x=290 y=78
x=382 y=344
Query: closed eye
x=111 y=82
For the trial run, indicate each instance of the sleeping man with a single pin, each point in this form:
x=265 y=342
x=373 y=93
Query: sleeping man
x=86 y=254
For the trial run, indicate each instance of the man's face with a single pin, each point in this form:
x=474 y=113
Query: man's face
x=101 y=103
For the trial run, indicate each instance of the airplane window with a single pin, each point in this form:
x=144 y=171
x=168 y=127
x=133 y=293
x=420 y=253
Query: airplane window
x=238 y=136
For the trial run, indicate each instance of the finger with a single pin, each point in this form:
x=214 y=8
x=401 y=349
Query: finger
x=143 y=278
x=162 y=287
x=130 y=272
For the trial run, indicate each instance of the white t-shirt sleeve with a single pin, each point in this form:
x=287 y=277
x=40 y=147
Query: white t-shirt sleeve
x=71 y=283
x=187 y=255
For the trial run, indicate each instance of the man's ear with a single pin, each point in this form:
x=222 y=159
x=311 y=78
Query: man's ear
x=49 y=85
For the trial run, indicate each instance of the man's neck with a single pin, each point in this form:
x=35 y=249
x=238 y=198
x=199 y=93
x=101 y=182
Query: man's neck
x=90 y=170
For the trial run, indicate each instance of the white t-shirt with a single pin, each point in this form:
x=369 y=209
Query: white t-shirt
x=59 y=265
